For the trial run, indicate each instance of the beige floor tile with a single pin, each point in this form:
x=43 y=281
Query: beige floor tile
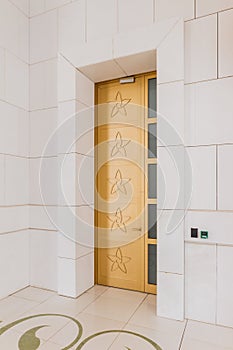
x=114 y=308
x=207 y=336
x=123 y=294
x=34 y=294
x=146 y=317
x=10 y=340
x=49 y=346
x=98 y=290
x=91 y=325
x=13 y=308
x=166 y=341
x=65 y=306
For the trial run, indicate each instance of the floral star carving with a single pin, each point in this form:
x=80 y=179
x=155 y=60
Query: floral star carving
x=119 y=147
x=119 y=221
x=120 y=106
x=119 y=261
x=119 y=184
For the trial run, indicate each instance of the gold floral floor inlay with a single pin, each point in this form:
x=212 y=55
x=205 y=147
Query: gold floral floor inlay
x=30 y=341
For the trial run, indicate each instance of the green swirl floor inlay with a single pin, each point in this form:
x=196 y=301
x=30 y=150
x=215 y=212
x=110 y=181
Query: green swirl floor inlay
x=30 y=341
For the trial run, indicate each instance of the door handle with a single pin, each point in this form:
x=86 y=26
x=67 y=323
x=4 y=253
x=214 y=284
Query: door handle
x=138 y=229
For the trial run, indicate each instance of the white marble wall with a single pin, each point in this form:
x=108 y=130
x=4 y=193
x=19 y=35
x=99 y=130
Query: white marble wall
x=14 y=146
x=205 y=125
x=76 y=193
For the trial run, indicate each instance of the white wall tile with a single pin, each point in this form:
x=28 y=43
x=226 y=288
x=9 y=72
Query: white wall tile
x=67 y=275
x=23 y=39
x=42 y=217
x=101 y=15
x=170 y=55
x=67 y=179
x=178 y=8
x=171 y=131
x=23 y=5
x=43 y=124
x=84 y=183
x=200 y=282
x=14 y=218
x=71 y=27
x=134 y=14
x=170 y=296
x=84 y=130
x=14 y=267
x=203 y=181
x=9 y=129
x=66 y=80
x=66 y=246
x=43 y=85
x=36 y=7
x=17 y=81
x=76 y=187
x=210 y=6
x=2 y=180
x=85 y=273
x=201 y=49
x=138 y=63
x=51 y=4
x=213 y=222
x=205 y=102
x=142 y=39
x=43 y=259
x=77 y=224
x=171 y=177
x=225 y=43
x=2 y=73
x=84 y=89
x=43 y=37
x=23 y=135
x=43 y=181
x=224 y=286
x=225 y=173
x=14 y=28
x=66 y=135
x=102 y=71
x=16 y=180
x=171 y=241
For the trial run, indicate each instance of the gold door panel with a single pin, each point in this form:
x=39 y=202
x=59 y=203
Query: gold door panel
x=120 y=184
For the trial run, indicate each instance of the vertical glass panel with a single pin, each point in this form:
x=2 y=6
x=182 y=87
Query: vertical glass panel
x=152 y=142
x=152 y=221
x=152 y=190
x=152 y=263
x=152 y=97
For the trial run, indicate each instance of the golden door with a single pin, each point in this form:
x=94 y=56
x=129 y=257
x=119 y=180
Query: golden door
x=121 y=183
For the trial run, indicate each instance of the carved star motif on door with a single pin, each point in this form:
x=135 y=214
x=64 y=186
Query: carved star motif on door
x=120 y=145
x=119 y=221
x=120 y=105
x=119 y=184
x=119 y=261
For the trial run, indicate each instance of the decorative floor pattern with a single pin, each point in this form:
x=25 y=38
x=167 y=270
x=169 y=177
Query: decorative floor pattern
x=101 y=319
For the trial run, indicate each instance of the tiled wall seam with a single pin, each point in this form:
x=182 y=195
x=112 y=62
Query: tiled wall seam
x=19 y=9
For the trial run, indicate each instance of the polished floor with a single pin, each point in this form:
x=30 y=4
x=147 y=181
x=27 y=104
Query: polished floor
x=102 y=318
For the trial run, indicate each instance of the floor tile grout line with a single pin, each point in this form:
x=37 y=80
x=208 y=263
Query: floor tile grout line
x=49 y=339
x=127 y=322
x=183 y=334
